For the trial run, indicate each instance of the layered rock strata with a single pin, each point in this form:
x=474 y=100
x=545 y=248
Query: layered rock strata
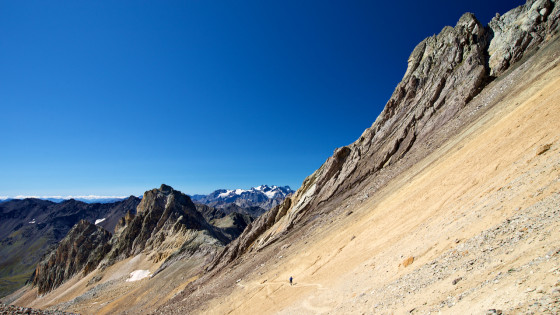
x=445 y=72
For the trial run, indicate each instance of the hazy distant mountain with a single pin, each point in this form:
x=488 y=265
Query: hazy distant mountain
x=264 y=196
x=58 y=199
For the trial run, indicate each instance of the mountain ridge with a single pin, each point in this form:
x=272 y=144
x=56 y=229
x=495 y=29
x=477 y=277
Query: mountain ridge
x=59 y=199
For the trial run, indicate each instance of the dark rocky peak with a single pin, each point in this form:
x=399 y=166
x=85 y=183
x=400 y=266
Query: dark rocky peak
x=166 y=202
x=81 y=250
x=163 y=217
x=165 y=188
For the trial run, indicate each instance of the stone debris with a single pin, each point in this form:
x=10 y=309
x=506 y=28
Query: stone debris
x=477 y=254
x=12 y=309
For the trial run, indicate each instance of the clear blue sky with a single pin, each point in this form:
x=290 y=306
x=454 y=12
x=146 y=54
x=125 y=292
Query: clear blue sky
x=117 y=97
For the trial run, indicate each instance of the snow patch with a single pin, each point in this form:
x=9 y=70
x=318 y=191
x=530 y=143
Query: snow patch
x=32 y=221
x=270 y=194
x=138 y=275
x=239 y=191
x=226 y=194
x=99 y=221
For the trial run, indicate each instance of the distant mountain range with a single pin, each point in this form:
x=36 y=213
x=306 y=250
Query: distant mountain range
x=32 y=227
x=58 y=199
x=264 y=196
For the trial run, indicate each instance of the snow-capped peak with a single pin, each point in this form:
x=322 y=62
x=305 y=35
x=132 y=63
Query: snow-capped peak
x=269 y=191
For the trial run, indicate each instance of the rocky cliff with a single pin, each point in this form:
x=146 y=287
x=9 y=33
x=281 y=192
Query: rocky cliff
x=445 y=72
x=166 y=221
x=81 y=250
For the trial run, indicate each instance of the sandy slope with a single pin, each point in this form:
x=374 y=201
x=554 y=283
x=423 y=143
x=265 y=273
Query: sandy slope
x=484 y=210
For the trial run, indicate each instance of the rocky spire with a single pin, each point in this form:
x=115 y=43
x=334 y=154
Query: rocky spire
x=165 y=219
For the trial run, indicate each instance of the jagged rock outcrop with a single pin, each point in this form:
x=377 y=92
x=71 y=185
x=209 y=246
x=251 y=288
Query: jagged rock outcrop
x=81 y=250
x=110 y=219
x=444 y=73
x=519 y=31
x=166 y=221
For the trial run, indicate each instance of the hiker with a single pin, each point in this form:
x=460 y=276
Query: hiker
x=291 y=280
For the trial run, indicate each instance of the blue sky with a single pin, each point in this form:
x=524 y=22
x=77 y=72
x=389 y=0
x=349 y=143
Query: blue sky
x=117 y=97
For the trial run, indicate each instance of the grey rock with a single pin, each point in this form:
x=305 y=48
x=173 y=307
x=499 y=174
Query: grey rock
x=161 y=214
x=519 y=31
